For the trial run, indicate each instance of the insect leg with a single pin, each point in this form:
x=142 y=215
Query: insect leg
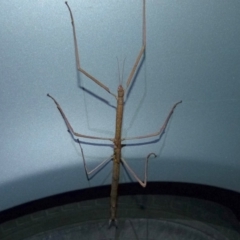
x=69 y=125
x=142 y=183
x=162 y=129
x=78 y=59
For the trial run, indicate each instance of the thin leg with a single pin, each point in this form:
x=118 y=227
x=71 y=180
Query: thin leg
x=144 y=183
x=142 y=49
x=78 y=59
x=162 y=129
x=70 y=127
x=97 y=167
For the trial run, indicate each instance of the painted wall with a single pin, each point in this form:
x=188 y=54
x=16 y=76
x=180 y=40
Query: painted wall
x=193 y=54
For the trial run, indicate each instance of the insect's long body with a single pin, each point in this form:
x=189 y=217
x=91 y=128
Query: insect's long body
x=117 y=153
x=117 y=140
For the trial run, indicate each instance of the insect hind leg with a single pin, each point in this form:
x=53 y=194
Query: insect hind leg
x=98 y=167
x=142 y=183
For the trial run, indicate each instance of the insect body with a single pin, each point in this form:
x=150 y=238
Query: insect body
x=117 y=140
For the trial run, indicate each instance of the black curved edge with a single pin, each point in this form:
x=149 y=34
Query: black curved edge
x=224 y=197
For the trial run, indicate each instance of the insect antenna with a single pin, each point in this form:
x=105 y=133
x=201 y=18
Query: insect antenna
x=119 y=81
x=123 y=68
x=120 y=76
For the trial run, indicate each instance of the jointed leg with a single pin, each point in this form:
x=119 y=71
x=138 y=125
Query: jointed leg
x=142 y=49
x=70 y=127
x=144 y=183
x=97 y=167
x=78 y=59
x=162 y=129
x=84 y=136
x=135 y=64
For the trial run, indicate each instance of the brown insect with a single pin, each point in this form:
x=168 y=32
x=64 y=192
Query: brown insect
x=117 y=140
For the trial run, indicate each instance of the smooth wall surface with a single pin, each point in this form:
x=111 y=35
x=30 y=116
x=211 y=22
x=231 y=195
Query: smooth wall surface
x=192 y=54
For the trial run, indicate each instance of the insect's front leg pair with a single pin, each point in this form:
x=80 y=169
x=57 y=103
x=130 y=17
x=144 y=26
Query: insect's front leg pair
x=144 y=182
x=136 y=64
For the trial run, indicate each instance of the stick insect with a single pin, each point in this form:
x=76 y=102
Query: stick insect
x=117 y=140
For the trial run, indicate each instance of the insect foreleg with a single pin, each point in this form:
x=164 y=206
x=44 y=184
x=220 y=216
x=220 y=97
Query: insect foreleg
x=78 y=59
x=142 y=49
x=142 y=183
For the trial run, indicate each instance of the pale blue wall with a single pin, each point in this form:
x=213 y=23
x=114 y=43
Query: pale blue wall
x=193 y=54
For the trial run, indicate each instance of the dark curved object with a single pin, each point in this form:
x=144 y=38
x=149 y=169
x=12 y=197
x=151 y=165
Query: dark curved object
x=221 y=196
